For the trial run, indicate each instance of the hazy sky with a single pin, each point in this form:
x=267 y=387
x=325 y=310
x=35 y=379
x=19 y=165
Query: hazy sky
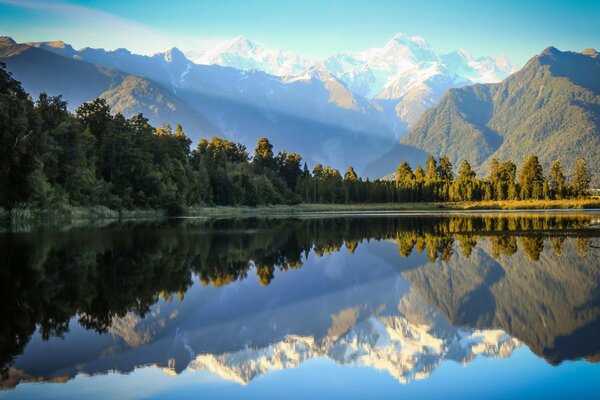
x=517 y=29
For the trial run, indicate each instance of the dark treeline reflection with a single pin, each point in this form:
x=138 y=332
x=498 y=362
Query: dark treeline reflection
x=98 y=274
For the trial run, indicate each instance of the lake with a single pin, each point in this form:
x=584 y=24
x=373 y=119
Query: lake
x=480 y=305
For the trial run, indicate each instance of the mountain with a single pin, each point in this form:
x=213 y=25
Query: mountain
x=347 y=109
x=550 y=108
x=409 y=76
x=138 y=95
x=406 y=75
x=313 y=114
x=241 y=53
x=77 y=81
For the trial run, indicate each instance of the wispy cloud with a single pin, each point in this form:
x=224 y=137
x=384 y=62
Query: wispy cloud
x=85 y=26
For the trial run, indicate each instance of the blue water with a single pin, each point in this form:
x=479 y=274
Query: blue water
x=301 y=309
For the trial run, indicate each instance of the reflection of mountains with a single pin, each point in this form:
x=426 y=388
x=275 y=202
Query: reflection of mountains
x=120 y=283
x=405 y=349
x=552 y=303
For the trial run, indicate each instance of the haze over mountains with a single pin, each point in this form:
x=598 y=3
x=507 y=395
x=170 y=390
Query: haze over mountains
x=347 y=109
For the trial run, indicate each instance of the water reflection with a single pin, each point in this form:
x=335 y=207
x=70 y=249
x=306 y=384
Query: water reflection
x=241 y=297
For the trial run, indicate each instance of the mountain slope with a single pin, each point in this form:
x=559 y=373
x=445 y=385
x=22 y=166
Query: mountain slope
x=406 y=76
x=550 y=108
x=41 y=71
x=78 y=81
x=411 y=75
x=138 y=95
x=313 y=114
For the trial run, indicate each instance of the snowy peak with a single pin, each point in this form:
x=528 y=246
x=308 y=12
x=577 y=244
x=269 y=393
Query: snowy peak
x=172 y=55
x=246 y=55
x=403 y=63
x=409 y=47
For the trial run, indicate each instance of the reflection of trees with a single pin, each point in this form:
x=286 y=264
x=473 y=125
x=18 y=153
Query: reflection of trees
x=100 y=274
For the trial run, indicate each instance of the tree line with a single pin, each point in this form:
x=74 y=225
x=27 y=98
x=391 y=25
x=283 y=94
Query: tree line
x=439 y=183
x=49 y=156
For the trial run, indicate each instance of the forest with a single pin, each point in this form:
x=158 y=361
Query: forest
x=51 y=157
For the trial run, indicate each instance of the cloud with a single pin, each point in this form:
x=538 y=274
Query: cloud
x=88 y=27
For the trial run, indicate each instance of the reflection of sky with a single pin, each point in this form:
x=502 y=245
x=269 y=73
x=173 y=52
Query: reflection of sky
x=303 y=301
x=523 y=375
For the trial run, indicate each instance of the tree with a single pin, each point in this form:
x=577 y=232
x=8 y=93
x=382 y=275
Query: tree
x=445 y=170
x=263 y=154
x=464 y=186
x=350 y=175
x=318 y=172
x=288 y=166
x=431 y=170
x=20 y=144
x=419 y=174
x=557 y=181
x=502 y=178
x=581 y=178
x=531 y=179
x=404 y=175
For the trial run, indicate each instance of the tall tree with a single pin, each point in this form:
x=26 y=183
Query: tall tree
x=263 y=154
x=20 y=143
x=581 y=178
x=350 y=175
x=445 y=170
x=557 y=180
x=404 y=175
x=463 y=188
x=431 y=170
x=531 y=179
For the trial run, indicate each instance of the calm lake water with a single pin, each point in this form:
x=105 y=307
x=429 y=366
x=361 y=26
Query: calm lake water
x=372 y=306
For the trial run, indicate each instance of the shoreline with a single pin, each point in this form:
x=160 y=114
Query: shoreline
x=72 y=213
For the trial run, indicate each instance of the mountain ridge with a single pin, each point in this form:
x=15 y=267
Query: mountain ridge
x=550 y=108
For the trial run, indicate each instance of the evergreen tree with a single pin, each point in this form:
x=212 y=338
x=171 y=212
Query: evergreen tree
x=557 y=181
x=445 y=170
x=404 y=175
x=531 y=179
x=464 y=186
x=20 y=145
x=263 y=154
x=431 y=170
x=419 y=174
x=581 y=178
x=350 y=175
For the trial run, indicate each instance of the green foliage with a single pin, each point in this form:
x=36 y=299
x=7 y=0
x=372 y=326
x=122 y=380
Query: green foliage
x=581 y=178
x=532 y=180
x=557 y=181
x=551 y=108
x=52 y=159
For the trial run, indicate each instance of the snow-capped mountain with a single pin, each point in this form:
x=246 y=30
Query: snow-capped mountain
x=406 y=75
x=243 y=54
x=353 y=104
x=386 y=72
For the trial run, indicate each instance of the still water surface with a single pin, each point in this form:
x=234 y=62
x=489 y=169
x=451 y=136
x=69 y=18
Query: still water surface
x=468 y=306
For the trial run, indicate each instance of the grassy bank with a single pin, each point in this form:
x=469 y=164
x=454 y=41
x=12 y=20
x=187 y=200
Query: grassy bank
x=409 y=207
x=67 y=212
x=27 y=213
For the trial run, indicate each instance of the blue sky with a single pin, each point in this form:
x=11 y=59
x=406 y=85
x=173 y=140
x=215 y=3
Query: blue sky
x=517 y=29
